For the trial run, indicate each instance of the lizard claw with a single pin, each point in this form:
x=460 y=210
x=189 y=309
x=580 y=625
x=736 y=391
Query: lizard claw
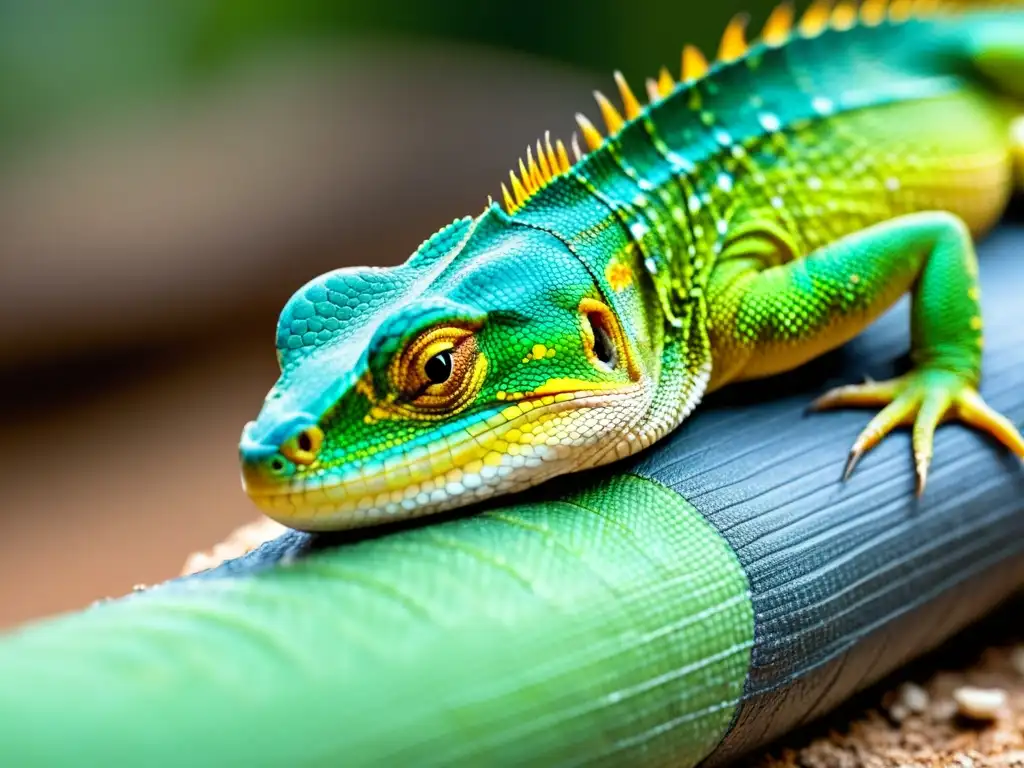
x=922 y=399
x=851 y=463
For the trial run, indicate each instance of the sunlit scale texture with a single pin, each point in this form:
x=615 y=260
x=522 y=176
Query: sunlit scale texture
x=756 y=214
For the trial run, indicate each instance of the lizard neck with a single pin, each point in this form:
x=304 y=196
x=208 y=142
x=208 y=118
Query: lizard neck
x=649 y=243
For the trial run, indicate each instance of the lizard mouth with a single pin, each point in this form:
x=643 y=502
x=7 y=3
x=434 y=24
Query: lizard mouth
x=508 y=450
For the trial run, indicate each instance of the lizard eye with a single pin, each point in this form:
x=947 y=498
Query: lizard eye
x=438 y=369
x=441 y=370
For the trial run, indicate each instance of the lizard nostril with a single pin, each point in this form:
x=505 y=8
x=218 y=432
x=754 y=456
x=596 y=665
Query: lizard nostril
x=303 y=446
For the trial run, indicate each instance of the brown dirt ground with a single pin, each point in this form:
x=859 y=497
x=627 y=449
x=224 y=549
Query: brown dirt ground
x=911 y=720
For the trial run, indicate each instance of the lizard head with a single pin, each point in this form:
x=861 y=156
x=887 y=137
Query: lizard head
x=487 y=363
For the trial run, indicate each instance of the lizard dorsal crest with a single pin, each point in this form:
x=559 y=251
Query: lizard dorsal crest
x=551 y=160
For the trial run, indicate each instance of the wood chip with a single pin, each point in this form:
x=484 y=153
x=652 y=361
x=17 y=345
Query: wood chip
x=914 y=698
x=1017 y=659
x=936 y=738
x=979 y=703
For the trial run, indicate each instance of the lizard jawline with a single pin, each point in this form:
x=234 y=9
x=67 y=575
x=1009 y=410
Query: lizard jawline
x=389 y=494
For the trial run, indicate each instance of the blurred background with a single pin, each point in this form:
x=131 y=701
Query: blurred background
x=170 y=172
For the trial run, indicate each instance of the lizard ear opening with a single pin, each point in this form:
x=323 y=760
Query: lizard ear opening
x=602 y=336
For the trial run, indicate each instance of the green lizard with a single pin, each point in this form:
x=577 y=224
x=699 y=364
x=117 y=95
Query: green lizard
x=753 y=215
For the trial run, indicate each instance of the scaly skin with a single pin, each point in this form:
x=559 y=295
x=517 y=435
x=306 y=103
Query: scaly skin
x=747 y=220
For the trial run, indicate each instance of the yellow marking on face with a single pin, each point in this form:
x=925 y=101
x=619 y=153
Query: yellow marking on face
x=974 y=293
x=618 y=275
x=569 y=386
x=539 y=352
x=364 y=386
x=512 y=412
x=976 y=323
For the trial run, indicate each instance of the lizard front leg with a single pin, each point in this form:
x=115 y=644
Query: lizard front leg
x=768 y=320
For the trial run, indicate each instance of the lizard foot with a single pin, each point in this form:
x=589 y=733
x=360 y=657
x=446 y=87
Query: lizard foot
x=922 y=398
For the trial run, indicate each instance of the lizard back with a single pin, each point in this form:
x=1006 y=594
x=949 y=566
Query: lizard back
x=847 y=119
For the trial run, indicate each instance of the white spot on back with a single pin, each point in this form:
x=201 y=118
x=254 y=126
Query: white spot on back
x=769 y=121
x=823 y=106
x=725 y=182
x=680 y=163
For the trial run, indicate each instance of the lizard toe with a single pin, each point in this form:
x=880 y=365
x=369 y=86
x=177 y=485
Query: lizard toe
x=922 y=399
